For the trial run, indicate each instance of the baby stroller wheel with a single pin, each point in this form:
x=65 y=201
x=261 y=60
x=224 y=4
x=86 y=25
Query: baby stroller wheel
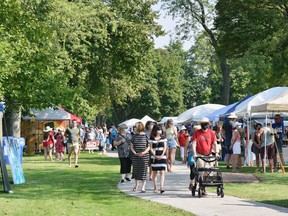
x=194 y=189
x=218 y=191
x=222 y=192
x=199 y=192
x=200 y=187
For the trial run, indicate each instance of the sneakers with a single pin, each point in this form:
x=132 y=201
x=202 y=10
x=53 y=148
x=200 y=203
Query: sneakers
x=122 y=181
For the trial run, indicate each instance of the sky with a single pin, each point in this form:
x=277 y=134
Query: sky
x=168 y=25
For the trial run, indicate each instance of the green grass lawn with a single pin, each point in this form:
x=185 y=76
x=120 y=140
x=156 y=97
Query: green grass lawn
x=52 y=188
x=272 y=189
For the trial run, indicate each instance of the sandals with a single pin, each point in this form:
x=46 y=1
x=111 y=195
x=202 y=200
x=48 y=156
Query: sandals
x=143 y=191
x=135 y=188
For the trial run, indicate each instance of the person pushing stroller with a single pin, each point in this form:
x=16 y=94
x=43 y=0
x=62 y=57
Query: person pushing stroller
x=203 y=141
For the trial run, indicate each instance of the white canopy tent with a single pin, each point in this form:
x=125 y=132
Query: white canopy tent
x=198 y=112
x=146 y=118
x=244 y=108
x=277 y=104
x=130 y=122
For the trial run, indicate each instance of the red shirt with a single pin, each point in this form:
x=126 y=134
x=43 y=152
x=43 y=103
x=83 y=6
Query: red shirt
x=182 y=138
x=204 y=141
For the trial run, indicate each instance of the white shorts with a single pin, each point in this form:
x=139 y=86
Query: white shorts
x=182 y=152
x=237 y=148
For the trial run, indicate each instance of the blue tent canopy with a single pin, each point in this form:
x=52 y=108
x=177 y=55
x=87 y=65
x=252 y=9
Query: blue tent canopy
x=213 y=116
x=225 y=110
x=232 y=109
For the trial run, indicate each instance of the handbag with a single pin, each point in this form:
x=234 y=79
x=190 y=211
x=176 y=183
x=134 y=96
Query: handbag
x=190 y=159
x=64 y=142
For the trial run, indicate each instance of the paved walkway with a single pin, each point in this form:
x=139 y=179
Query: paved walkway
x=178 y=195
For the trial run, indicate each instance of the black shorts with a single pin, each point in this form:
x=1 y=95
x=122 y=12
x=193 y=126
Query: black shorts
x=270 y=151
x=255 y=150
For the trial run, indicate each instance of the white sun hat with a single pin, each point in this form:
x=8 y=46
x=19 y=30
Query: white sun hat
x=183 y=128
x=232 y=116
x=48 y=128
x=204 y=120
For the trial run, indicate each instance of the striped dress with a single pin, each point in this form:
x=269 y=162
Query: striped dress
x=140 y=164
x=158 y=147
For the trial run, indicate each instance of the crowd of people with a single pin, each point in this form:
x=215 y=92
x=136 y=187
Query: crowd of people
x=150 y=149
x=74 y=138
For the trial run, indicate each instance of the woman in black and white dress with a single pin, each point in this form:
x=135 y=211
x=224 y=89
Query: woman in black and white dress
x=140 y=150
x=158 y=149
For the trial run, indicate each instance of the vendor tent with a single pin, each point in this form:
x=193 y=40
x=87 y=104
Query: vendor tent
x=147 y=118
x=198 y=112
x=51 y=114
x=129 y=123
x=278 y=104
x=48 y=114
x=214 y=116
x=244 y=108
x=72 y=116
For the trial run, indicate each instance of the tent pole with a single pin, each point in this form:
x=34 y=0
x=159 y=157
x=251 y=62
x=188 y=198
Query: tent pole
x=247 y=158
x=265 y=146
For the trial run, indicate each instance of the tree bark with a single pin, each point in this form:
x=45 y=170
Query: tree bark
x=226 y=79
x=12 y=121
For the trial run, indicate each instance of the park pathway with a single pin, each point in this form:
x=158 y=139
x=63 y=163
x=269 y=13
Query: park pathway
x=177 y=195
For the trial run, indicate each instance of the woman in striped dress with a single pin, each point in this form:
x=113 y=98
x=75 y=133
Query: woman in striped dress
x=140 y=150
x=158 y=157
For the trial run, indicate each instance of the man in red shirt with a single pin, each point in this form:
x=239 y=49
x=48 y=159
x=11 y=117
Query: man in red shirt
x=203 y=141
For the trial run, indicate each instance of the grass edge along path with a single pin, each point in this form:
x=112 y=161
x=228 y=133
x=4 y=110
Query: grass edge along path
x=272 y=188
x=52 y=188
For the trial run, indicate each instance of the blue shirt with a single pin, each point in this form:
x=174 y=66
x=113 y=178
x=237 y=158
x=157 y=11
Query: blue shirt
x=279 y=129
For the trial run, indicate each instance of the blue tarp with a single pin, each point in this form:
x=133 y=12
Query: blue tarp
x=225 y=110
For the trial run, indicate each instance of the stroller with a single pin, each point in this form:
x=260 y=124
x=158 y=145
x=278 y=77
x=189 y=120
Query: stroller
x=211 y=177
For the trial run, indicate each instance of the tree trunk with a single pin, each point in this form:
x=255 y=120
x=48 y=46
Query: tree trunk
x=12 y=122
x=226 y=79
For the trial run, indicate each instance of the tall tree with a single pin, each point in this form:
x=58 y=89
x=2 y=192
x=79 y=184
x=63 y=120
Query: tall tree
x=31 y=61
x=161 y=91
x=195 y=15
x=127 y=58
x=256 y=30
x=201 y=78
